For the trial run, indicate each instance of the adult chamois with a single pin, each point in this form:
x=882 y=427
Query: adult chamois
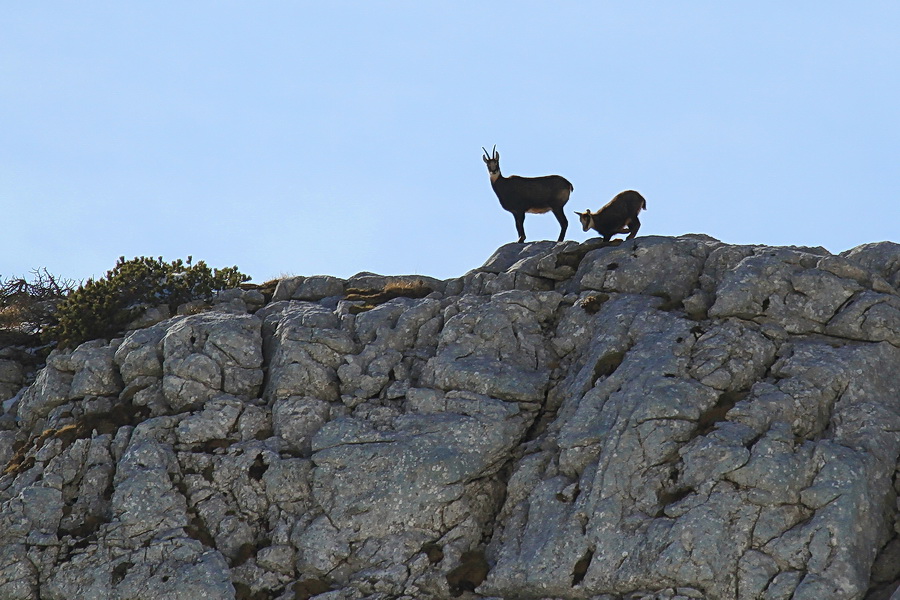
x=520 y=195
x=620 y=215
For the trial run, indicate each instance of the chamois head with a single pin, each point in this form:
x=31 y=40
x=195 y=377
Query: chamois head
x=585 y=219
x=492 y=162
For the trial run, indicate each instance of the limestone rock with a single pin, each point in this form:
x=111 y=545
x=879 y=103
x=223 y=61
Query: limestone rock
x=880 y=258
x=653 y=265
x=12 y=376
x=312 y=288
x=217 y=419
x=81 y=375
x=207 y=354
x=432 y=475
x=306 y=347
x=496 y=347
x=783 y=286
x=658 y=418
x=398 y=337
x=296 y=419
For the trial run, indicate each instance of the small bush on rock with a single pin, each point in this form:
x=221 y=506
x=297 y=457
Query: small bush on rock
x=103 y=308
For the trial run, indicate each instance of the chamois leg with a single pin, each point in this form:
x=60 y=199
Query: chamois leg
x=634 y=225
x=520 y=225
x=563 y=222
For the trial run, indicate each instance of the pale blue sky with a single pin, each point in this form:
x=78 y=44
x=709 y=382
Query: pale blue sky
x=334 y=137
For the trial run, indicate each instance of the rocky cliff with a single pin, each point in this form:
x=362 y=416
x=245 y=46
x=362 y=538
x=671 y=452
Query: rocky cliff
x=664 y=418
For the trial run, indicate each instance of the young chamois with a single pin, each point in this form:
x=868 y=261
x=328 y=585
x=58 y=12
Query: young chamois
x=520 y=195
x=620 y=215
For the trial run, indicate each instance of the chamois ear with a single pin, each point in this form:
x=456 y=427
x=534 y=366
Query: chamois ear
x=579 y=214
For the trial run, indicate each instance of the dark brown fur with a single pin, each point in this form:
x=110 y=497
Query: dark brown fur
x=537 y=195
x=620 y=215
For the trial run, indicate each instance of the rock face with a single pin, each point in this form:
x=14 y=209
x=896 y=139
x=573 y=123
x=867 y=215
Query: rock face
x=665 y=418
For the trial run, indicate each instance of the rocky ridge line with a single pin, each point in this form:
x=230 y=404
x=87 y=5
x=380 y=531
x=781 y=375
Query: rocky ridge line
x=666 y=418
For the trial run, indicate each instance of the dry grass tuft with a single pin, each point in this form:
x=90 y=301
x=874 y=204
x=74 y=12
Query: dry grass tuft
x=395 y=289
x=591 y=304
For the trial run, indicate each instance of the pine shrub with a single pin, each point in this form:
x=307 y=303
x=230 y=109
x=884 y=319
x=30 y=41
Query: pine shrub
x=102 y=308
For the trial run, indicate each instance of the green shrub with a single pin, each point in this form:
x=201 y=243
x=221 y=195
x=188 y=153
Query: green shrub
x=103 y=308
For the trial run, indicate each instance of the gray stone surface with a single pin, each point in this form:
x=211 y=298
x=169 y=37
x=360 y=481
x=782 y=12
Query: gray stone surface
x=661 y=418
x=314 y=288
x=878 y=258
x=207 y=354
x=666 y=267
x=306 y=347
x=496 y=346
x=12 y=376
